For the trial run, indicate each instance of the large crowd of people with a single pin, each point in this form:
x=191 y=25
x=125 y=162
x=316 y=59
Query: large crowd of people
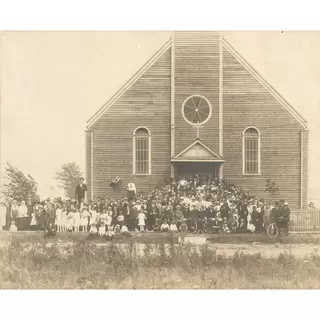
x=189 y=204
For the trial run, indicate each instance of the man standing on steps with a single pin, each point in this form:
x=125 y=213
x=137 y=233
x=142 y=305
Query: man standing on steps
x=81 y=191
x=131 y=188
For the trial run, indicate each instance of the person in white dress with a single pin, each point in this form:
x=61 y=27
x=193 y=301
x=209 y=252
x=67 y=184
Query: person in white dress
x=164 y=227
x=93 y=229
x=70 y=220
x=173 y=227
x=3 y=215
x=102 y=229
x=109 y=220
x=93 y=216
x=76 y=221
x=124 y=230
x=141 y=221
x=64 y=219
x=33 y=223
x=58 y=221
x=84 y=219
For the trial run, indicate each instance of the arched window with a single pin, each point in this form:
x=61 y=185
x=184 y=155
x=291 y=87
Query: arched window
x=141 y=151
x=251 y=151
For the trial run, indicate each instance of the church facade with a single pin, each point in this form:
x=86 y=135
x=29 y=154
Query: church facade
x=197 y=106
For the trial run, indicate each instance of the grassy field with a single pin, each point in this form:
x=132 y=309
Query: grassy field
x=159 y=238
x=86 y=265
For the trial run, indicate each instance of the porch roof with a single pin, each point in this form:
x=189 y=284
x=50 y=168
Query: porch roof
x=197 y=152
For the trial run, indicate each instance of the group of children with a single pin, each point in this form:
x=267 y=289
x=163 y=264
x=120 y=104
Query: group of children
x=88 y=219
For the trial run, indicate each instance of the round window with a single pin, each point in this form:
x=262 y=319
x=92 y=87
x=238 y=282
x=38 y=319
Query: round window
x=196 y=110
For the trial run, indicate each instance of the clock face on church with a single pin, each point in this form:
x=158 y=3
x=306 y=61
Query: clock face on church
x=196 y=110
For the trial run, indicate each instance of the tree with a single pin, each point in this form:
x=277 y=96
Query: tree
x=18 y=185
x=68 y=177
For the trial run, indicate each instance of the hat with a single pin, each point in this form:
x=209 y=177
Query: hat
x=285 y=204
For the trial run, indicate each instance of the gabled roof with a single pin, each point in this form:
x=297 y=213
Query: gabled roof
x=129 y=83
x=198 y=152
x=264 y=83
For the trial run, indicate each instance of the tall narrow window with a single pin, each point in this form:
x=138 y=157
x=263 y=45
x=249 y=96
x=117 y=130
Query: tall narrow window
x=251 y=151
x=141 y=151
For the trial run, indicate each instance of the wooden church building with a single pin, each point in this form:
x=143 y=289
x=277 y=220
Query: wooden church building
x=197 y=106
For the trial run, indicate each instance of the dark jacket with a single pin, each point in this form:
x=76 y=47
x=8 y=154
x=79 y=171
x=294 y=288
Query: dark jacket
x=81 y=190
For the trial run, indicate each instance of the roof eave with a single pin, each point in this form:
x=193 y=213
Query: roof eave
x=129 y=83
x=291 y=110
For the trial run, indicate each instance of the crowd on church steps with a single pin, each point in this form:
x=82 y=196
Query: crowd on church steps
x=189 y=204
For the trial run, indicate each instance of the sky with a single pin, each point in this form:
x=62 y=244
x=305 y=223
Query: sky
x=53 y=82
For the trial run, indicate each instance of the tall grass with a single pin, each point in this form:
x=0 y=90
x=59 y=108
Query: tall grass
x=89 y=266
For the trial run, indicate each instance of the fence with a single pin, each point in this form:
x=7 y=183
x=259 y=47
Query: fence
x=307 y=220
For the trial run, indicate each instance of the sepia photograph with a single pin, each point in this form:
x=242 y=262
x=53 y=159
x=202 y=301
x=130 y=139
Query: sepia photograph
x=185 y=159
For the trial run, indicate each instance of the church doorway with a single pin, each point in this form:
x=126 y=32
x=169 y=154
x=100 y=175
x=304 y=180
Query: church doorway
x=201 y=168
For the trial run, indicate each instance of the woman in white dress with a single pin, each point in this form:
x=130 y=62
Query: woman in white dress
x=250 y=225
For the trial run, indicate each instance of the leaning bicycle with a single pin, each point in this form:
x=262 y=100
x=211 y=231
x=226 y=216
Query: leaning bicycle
x=273 y=230
x=274 y=227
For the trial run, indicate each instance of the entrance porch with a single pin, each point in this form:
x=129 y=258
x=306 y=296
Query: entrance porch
x=197 y=159
x=201 y=168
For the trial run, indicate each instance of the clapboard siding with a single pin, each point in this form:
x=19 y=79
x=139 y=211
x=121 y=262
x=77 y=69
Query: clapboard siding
x=146 y=103
x=305 y=151
x=88 y=163
x=247 y=103
x=196 y=72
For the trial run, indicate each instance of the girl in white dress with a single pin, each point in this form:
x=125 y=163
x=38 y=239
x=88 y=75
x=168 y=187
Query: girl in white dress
x=58 y=220
x=76 y=221
x=33 y=223
x=64 y=219
x=173 y=227
x=70 y=220
x=102 y=229
x=141 y=221
x=124 y=230
x=164 y=226
x=108 y=220
x=93 y=216
x=84 y=219
x=93 y=229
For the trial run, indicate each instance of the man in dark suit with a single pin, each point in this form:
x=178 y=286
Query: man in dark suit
x=133 y=216
x=81 y=191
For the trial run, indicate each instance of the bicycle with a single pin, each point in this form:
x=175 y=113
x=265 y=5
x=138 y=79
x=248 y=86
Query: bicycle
x=272 y=230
